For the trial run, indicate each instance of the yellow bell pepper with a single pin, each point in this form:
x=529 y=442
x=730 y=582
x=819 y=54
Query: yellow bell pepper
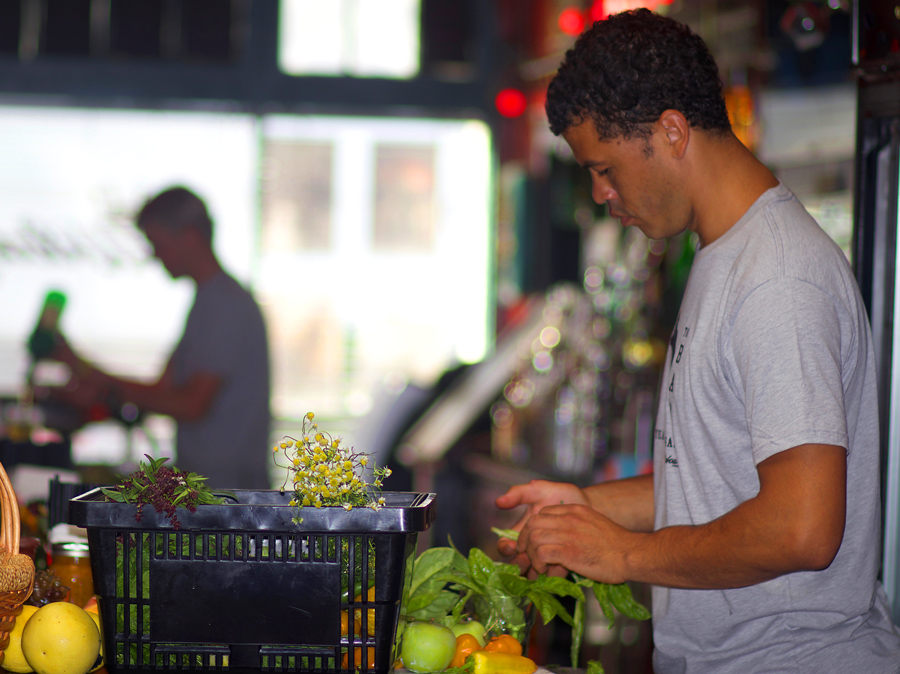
x=492 y=662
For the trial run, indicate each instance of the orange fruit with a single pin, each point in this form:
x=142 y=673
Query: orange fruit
x=358 y=658
x=345 y=624
x=370 y=627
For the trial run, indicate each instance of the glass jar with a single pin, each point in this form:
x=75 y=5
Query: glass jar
x=72 y=565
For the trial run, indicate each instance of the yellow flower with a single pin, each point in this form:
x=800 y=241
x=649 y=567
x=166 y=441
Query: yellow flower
x=310 y=415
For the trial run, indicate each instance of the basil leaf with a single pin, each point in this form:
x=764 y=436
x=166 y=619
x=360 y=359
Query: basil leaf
x=431 y=563
x=515 y=585
x=601 y=592
x=436 y=609
x=559 y=586
x=482 y=568
x=622 y=599
x=594 y=667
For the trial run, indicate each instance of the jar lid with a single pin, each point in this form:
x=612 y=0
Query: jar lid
x=70 y=549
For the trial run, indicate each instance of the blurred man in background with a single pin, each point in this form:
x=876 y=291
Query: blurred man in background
x=216 y=384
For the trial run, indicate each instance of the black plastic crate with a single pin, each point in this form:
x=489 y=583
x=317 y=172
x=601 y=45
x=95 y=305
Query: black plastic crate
x=241 y=588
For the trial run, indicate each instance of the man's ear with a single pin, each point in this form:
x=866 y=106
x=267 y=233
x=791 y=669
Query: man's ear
x=677 y=131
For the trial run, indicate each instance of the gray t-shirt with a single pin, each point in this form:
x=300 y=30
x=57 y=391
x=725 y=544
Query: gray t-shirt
x=225 y=335
x=771 y=350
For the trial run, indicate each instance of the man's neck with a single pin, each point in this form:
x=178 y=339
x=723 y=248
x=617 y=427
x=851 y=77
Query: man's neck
x=730 y=180
x=206 y=267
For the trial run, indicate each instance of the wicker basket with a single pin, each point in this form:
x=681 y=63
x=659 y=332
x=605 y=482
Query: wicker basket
x=16 y=570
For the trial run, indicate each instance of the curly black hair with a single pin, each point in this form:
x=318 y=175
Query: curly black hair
x=625 y=70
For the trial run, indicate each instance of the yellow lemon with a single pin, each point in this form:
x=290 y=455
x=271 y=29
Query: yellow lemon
x=13 y=658
x=61 y=638
x=93 y=612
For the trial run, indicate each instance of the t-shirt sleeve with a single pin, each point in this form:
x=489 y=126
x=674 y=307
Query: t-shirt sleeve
x=786 y=349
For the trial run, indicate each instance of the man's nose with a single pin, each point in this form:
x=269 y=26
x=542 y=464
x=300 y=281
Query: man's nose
x=601 y=191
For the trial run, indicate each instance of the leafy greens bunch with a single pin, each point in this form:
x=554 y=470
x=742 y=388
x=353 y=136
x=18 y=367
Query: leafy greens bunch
x=444 y=582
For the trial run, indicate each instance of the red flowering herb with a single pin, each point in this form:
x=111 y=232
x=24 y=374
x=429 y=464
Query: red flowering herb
x=163 y=487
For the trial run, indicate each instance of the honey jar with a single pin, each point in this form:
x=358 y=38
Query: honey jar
x=72 y=565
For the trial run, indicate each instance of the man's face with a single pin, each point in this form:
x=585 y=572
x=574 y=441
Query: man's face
x=634 y=178
x=169 y=247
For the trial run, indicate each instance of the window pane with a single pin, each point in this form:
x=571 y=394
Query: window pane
x=404 y=198
x=297 y=196
x=367 y=38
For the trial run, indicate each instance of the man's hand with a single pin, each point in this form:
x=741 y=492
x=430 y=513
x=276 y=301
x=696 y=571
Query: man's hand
x=535 y=495
x=64 y=353
x=577 y=538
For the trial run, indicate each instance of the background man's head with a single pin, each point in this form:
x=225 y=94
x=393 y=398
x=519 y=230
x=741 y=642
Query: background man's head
x=178 y=227
x=626 y=70
x=178 y=209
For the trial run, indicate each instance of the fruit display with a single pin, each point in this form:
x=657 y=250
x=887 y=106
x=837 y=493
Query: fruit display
x=56 y=638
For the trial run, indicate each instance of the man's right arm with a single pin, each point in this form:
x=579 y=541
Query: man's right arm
x=189 y=401
x=628 y=502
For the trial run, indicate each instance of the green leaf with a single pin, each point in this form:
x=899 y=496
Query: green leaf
x=622 y=599
x=460 y=582
x=511 y=534
x=601 y=592
x=548 y=606
x=511 y=569
x=559 y=586
x=113 y=494
x=482 y=568
x=436 y=609
x=514 y=585
x=432 y=562
x=594 y=667
x=545 y=604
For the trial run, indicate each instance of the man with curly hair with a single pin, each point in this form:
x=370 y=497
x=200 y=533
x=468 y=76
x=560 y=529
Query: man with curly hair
x=759 y=529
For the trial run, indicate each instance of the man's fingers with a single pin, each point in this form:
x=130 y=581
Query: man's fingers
x=506 y=547
x=512 y=498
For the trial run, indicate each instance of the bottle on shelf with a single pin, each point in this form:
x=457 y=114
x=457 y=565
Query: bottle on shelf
x=43 y=337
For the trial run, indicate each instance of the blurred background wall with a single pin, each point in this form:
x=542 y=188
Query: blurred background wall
x=380 y=173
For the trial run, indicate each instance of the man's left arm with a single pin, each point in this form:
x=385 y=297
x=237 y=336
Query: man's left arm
x=794 y=523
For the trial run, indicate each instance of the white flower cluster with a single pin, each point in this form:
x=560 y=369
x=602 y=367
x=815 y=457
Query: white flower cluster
x=324 y=472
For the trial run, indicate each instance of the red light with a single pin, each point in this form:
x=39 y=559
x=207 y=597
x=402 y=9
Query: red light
x=571 y=21
x=510 y=102
x=598 y=13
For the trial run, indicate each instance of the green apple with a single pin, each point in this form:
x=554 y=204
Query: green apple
x=427 y=647
x=473 y=627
